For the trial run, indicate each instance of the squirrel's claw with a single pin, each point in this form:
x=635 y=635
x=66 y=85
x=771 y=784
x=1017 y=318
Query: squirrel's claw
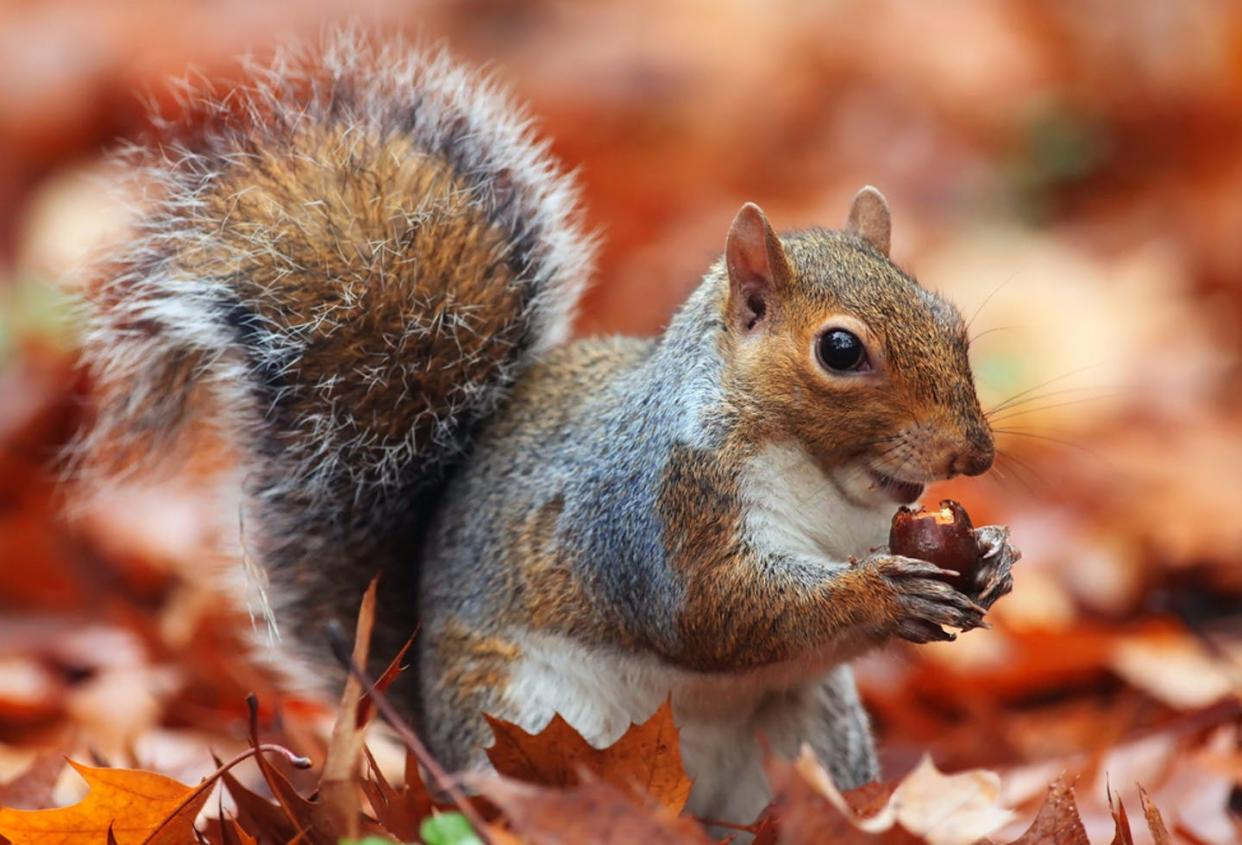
x=925 y=601
x=920 y=631
x=994 y=577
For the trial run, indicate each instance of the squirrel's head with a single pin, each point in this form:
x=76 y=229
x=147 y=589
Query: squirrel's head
x=833 y=346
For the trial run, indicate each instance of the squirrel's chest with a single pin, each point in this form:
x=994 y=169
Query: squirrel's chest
x=790 y=506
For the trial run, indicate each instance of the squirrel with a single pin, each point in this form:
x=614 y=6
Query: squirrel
x=362 y=270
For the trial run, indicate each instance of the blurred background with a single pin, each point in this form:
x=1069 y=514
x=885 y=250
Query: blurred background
x=1070 y=173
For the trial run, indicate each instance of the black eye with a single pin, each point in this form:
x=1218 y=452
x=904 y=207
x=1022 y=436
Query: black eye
x=842 y=351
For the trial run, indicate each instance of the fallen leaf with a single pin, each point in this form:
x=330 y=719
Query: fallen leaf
x=136 y=806
x=32 y=789
x=298 y=811
x=1159 y=833
x=233 y=834
x=807 y=808
x=1057 y=822
x=593 y=810
x=1121 y=822
x=647 y=755
x=949 y=809
x=336 y=811
x=258 y=815
x=1172 y=667
x=399 y=811
x=366 y=706
x=869 y=799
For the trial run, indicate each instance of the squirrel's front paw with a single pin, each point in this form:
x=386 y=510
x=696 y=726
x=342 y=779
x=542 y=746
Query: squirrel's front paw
x=993 y=578
x=923 y=599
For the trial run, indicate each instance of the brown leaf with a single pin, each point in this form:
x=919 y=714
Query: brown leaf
x=593 y=810
x=32 y=789
x=227 y=831
x=298 y=811
x=132 y=805
x=766 y=830
x=336 y=812
x=949 y=809
x=398 y=811
x=258 y=815
x=366 y=706
x=648 y=756
x=1159 y=833
x=1121 y=822
x=1057 y=822
x=237 y=834
x=807 y=808
x=869 y=799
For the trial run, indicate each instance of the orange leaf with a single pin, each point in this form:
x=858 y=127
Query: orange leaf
x=399 y=811
x=1159 y=833
x=1057 y=822
x=262 y=817
x=32 y=789
x=802 y=811
x=593 y=811
x=366 y=706
x=336 y=812
x=647 y=756
x=1122 y=834
x=137 y=807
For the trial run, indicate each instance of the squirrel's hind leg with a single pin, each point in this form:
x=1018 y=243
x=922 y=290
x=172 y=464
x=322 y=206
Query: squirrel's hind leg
x=840 y=735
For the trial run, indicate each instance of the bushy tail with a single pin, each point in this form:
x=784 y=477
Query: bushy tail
x=346 y=267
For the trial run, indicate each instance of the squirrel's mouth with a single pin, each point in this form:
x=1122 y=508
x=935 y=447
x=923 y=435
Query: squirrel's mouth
x=901 y=492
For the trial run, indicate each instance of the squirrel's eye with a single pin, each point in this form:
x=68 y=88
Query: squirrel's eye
x=842 y=351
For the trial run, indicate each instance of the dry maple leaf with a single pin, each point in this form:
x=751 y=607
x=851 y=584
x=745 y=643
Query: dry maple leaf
x=257 y=815
x=926 y=806
x=336 y=812
x=1159 y=833
x=32 y=789
x=647 y=755
x=949 y=809
x=1121 y=821
x=298 y=810
x=807 y=808
x=399 y=810
x=134 y=806
x=229 y=831
x=1057 y=822
x=592 y=811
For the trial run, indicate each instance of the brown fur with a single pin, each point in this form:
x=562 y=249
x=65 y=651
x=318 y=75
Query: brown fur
x=737 y=616
x=321 y=238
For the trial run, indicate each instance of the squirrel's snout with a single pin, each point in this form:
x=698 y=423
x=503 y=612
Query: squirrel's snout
x=975 y=459
x=973 y=463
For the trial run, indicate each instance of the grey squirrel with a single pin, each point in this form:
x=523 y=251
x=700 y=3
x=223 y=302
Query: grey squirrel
x=363 y=268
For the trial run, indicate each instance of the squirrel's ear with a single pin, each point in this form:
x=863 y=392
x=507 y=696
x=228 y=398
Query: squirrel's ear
x=757 y=264
x=870 y=218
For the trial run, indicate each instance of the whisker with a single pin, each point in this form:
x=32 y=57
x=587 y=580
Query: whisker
x=1018 y=411
x=1014 y=402
x=1104 y=462
x=1011 y=432
x=1023 y=473
x=972 y=341
x=1008 y=402
x=986 y=300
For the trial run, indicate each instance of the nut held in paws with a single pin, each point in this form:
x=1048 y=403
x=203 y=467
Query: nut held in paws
x=944 y=537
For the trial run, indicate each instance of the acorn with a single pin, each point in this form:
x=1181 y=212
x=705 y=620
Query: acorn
x=944 y=537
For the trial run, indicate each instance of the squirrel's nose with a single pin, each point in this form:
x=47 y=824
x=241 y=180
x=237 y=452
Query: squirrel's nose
x=974 y=461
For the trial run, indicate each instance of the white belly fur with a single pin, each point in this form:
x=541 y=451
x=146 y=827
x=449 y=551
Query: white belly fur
x=718 y=716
